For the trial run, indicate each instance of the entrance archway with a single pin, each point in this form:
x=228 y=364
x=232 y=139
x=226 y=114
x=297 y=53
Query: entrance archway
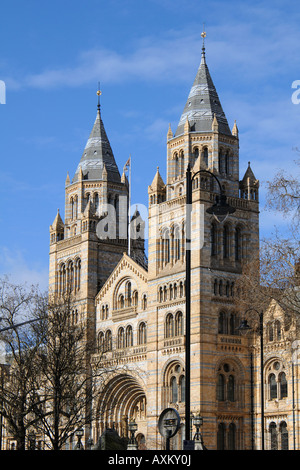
x=123 y=398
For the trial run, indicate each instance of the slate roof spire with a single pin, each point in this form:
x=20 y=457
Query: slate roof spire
x=202 y=103
x=98 y=154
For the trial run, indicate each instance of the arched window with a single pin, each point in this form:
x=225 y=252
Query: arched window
x=96 y=199
x=169 y=326
x=182 y=388
x=221 y=388
x=273 y=436
x=174 y=380
x=284 y=436
x=205 y=156
x=221 y=287
x=272 y=387
x=178 y=324
x=225 y=241
x=101 y=342
x=121 y=302
x=174 y=390
x=108 y=340
x=78 y=274
x=166 y=247
x=232 y=329
x=171 y=292
x=70 y=275
x=62 y=278
x=176 y=164
x=121 y=338
x=144 y=302
x=165 y=293
x=213 y=240
x=278 y=330
x=181 y=162
x=177 y=244
x=220 y=161
x=283 y=385
x=128 y=337
x=231 y=388
x=226 y=383
x=226 y=163
x=237 y=244
x=128 y=294
x=142 y=338
x=135 y=298
x=161 y=298
x=270 y=332
x=222 y=329
x=221 y=436
x=181 y=289
x=231 y=436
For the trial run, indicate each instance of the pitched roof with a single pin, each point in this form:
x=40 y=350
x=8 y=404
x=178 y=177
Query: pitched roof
x=97 y=155
x=157 y=183
x=249 y=174
x=202 y=103
x=57 y=223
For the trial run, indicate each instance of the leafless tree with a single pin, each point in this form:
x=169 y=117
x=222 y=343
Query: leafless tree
x=21 y=309
x=275 y=274
x=49 y=386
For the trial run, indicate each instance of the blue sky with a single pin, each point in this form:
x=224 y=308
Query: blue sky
x=145 y=54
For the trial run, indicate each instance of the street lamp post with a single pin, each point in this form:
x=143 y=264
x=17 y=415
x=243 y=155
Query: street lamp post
x=168 y=424
x=132 y=426
x=197 y=422
x=79 y=433
x=244 y=328
x=219 y=210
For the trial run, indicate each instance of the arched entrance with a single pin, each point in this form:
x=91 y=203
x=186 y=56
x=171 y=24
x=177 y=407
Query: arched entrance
x=123 y=398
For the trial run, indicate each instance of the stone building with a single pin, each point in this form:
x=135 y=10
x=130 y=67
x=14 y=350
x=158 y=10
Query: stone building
x=135 y=307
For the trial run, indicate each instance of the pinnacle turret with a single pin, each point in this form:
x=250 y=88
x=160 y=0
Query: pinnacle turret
x=202 y=104
x=98 y=155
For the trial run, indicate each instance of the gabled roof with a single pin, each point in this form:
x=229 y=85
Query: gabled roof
x=97 y=154
x=202 y=103
x=126 y=262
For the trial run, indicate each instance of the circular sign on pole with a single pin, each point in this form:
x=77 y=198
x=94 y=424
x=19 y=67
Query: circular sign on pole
x=169 y=423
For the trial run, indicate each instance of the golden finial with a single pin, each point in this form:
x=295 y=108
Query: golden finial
x=99 y=94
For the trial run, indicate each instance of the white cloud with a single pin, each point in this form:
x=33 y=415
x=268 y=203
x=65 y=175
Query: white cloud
x=19 y=271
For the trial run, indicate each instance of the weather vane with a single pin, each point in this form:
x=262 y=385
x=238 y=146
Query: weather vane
x=99 y=94
x=203 y=34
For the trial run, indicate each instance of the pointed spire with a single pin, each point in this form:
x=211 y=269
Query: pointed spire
x=88 y=209
x=67 y=180
x=202 y=103
x=249 y=176
x=157 y=183
x=235 y=130
x=170 y=133
x=104 y=173
x=57 y=223
x=98 y=153
x=215 y=125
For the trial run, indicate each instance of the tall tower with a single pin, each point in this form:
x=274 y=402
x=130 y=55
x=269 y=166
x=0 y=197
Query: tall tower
x=85 y=248
x=219 y=356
